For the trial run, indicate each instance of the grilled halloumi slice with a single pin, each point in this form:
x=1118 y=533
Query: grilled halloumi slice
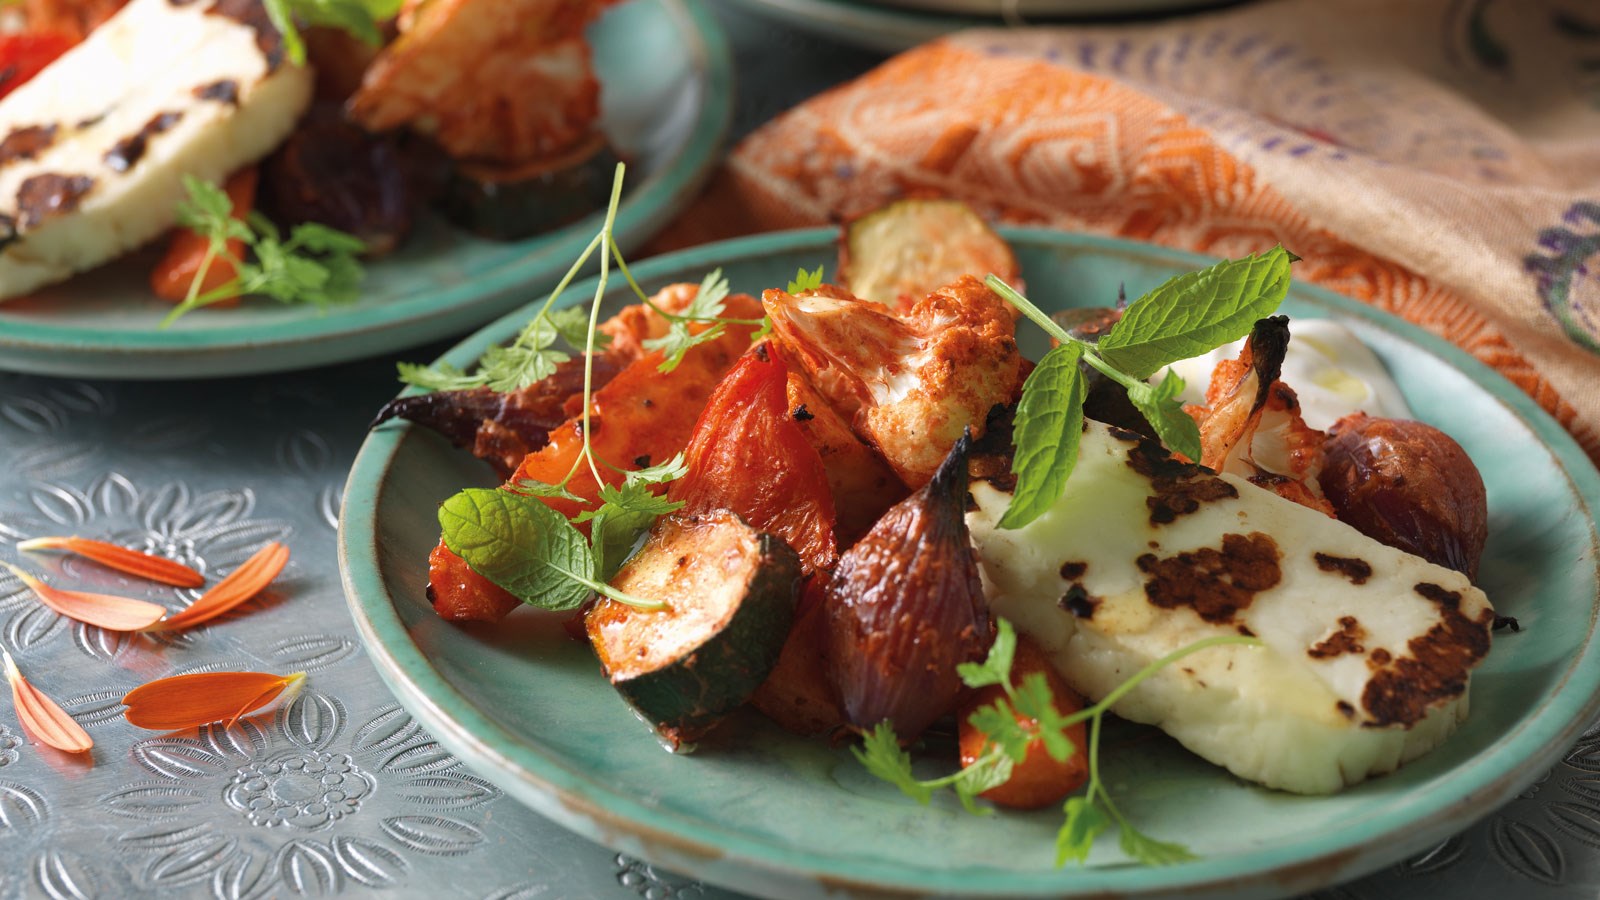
x=1366 y=650
x=93 y=149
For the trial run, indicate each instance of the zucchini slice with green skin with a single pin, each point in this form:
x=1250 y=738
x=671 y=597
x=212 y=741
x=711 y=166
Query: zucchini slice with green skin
x=911 y=248
x=731 y=593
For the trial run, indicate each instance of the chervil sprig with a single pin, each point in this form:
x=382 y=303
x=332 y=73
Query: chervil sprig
x=361 y=18
x=1010 y=725
x=510 y=536
x=315 y=264
x=1185 y=317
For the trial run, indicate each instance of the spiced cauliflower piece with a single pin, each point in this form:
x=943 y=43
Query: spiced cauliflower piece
x=909 y=384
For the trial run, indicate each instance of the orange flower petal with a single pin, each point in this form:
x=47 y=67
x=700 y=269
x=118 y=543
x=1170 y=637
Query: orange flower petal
x=144 y=565
x=240 y=585
x=43 y=718
x=108 y=611
x=189 y=701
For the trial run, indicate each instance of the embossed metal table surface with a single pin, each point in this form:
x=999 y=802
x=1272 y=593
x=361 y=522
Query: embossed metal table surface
x=340 y=792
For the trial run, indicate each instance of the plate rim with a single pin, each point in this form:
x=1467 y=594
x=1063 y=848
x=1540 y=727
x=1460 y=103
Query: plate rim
x=561 y=793
x=34 y=347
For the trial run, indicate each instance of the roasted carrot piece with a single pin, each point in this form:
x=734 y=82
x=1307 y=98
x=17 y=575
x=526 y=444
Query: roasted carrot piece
x=1038 y=780
x=175 y=273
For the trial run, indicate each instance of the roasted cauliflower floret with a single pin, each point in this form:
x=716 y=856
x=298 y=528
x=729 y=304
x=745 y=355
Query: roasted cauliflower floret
x=909 y=384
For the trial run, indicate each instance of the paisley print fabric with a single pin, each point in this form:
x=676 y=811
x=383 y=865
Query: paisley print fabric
x=1439 y=160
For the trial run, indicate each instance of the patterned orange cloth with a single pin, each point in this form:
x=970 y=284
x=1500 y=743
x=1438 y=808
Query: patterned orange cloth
x=1438 y=159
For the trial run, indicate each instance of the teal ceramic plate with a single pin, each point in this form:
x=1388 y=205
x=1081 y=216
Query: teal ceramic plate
x=895 y=25
x=667 y=99
x=773 y=814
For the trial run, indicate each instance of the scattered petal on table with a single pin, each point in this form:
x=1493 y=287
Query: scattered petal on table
x=41 y=716
x=189 y=701
x=108 y=611
x=243 y=583
x=133 y=562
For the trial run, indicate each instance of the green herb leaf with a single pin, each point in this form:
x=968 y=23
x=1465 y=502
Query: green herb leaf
x=533 y=488
x=805 y=281
x=1035 y=701
x=880 y=752
x=1161 y=408
x=613 y=532
x=1195 y=312
x=441 y=377
x=996 y=667
x=572 y=323
x=1151 y=852
x=708 y=303
x=660 y=473
x=998 y=722
x=358 y=17
x=526 y=361
x=988 y=771
x=521 y=545
x=1048 y=427
x=1085 y=821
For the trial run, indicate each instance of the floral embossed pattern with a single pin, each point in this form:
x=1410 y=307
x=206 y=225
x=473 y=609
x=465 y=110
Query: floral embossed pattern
x=295 y=817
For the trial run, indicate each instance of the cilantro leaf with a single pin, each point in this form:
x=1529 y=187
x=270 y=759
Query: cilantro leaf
x=708 y=303
x=521 y=545
x=988 y=771
x=1035 y=701
x=660 y=473
x=998 y=722
x=805 y=281
x=1148 y=850
x=1195 y=312
x=1085 y=821
x=358 y=17
x=1049 y=424
x=1161 y=408
x=441 y=377
x=996 y=667
x=572 y=323
x=525 y=361
x=532 y=488
x=880 y=752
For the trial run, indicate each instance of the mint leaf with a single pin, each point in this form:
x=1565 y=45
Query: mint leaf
x=521 y=545
x=1195 y=312
x=880 y=752
x=1048 y=427
x=996 y=667
x=1161 y=408
x=1085 y=821
x=1151 y=852
x=613 y=532
x=805 y=281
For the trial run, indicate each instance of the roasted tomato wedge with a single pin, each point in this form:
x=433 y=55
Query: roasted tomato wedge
x=749 y=455
x=641 y=416
x=905 y=607
x=462 y=595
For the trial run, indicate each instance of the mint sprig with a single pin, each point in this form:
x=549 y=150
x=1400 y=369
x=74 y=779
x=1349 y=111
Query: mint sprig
x=1188 y=315
x=1027 y=713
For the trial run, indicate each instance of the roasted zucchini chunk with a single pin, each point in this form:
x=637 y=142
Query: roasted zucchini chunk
x=730 y=593
x=899 y=253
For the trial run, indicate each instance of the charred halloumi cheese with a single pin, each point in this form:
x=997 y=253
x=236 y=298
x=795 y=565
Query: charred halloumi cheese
x=1365 y=651
x=93 y=149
